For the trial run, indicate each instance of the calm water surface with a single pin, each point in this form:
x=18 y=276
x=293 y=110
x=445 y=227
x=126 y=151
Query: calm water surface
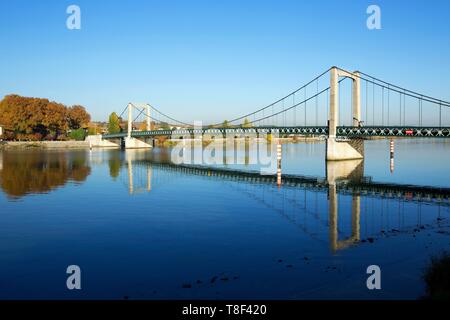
x=142 y=229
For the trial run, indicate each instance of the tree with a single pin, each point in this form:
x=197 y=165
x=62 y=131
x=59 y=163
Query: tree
x=113 y=123
x=78 y=134
x=92 y=129
x=226 y=124
x=143 y=126
x=164 y=125
x=36 y=118
x=55 y=118
x=247 y=124
x=78 y=117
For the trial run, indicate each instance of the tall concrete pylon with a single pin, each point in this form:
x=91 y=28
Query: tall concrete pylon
x=356 y=99
x=344 y=150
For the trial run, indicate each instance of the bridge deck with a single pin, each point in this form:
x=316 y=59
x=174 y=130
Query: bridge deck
x=374 y=131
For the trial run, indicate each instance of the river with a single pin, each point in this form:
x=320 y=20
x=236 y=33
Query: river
x=140 y=227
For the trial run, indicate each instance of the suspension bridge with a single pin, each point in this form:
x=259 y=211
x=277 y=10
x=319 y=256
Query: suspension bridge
x=342 y=106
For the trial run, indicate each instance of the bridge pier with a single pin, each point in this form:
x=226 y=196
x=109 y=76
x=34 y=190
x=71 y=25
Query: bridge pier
x=133 y=143
x=352 y=149
x=97 y=141
x=338 y=149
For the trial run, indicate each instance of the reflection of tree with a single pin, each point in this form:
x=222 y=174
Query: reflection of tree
x=40 y=172
x=79 y=170
x=114 y=163
x=114 y=167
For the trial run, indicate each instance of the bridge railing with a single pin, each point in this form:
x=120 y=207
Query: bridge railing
x=380 y=131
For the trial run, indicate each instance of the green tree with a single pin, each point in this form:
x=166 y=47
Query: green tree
x=78 y=134
x=92 y=130
x=113 y=123
x=247 y=124
x=164 y=125
x=226 y=124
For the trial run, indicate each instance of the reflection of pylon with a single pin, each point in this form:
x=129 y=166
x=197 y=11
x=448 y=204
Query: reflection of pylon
x=130 y=177
x=278 y=163
x=149 y=178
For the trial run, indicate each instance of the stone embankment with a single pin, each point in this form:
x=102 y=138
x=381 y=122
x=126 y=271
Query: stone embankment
x=44 y=144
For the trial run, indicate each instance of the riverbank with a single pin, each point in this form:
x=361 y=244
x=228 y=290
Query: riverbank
x=44 y=144
x=165 y=143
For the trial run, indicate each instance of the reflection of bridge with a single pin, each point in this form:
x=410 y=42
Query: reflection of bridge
x=305 y=112
x=347 y=176
x=312 y=204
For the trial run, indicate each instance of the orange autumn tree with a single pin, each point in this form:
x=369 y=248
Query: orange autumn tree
x=78 y=117
x=25 y=118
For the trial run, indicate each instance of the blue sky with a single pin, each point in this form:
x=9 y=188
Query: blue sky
x=212 y=60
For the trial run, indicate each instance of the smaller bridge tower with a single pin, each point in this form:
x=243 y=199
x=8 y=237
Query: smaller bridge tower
x=131 y=142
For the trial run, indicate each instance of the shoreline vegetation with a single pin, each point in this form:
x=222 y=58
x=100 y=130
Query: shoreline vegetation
x=437 y=277
x=38 y=119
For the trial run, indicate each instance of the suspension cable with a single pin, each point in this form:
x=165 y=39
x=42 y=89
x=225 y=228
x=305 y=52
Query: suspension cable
x=165 y=115
x=361 y=75
x=291 y=107
x=279 y=100
x=121 y=114
x=148 y=116
x=404 y=89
